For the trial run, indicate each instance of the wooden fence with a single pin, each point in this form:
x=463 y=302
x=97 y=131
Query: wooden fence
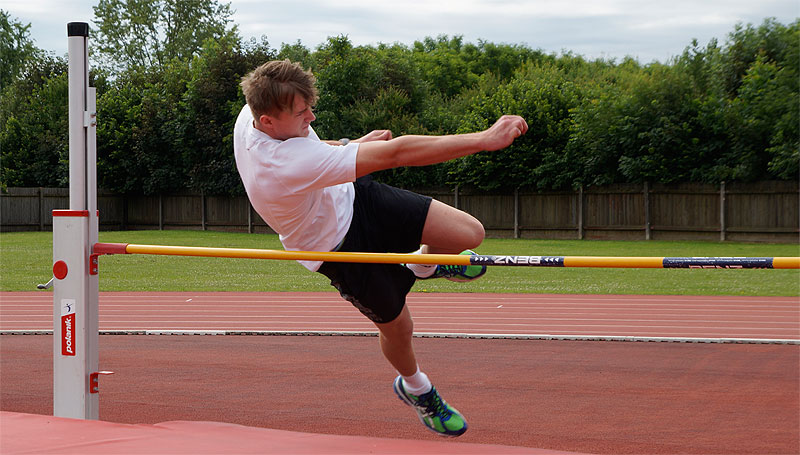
x=761 y=212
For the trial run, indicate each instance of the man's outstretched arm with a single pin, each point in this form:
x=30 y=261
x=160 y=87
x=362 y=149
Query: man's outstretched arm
x=424 y=150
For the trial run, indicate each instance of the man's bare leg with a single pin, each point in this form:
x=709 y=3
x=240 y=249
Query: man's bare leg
x=412 y=386
x=448 y=230
x=396 y=343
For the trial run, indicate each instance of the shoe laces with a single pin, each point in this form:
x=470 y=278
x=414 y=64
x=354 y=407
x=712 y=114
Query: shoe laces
x=433 y=405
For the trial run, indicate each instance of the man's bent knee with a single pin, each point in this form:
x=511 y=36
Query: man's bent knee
x=477 y=234
x=449 y=230
x=401 y=328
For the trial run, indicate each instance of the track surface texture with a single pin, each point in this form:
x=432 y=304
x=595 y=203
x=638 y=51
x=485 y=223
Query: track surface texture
x=718 y=317
x=582 y=396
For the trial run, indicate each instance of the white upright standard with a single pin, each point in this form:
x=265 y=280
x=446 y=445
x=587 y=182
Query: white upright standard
x=75 y=295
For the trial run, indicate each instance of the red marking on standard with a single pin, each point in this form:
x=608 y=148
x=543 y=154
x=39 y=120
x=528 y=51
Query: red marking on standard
x=110 y=248
x=94 y=382
x=60 y=270
x=84 y=213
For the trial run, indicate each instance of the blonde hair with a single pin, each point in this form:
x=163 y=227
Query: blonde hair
x=271 y=87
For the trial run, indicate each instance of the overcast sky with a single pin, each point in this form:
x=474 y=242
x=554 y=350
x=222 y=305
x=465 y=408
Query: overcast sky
x=644 y=29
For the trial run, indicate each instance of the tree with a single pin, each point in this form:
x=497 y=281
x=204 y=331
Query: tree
x=16 y=48
x=209 y=109
x=140 y=132
x=297 y=53
x=444 y=64
x=771 y=40
x=544 y=96
x=347 y=77
x=764 y=123
x=147 y=33
x=34 y=138
x=720 y=112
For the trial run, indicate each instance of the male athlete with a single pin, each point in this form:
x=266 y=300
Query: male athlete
x=318 y=196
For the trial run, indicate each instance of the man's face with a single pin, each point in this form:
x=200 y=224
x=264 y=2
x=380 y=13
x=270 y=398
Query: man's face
x=290 y=123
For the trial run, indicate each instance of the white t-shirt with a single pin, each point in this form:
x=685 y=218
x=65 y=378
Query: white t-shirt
x=302 y=187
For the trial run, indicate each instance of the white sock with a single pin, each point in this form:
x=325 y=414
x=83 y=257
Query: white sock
x=417 y=384
x=421 y=270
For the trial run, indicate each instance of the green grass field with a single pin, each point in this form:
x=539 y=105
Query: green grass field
x=26 y=259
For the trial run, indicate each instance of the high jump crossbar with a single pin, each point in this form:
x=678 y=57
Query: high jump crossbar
x=454 y=259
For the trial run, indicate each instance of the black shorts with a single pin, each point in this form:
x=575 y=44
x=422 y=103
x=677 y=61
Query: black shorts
x=385 y=220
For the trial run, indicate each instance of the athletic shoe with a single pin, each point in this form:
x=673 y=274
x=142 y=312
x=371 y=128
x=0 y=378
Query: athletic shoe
x=460 y=273
x=432 y=411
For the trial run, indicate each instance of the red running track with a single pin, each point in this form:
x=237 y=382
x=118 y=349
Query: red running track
x=772 y=319
x=590 y=397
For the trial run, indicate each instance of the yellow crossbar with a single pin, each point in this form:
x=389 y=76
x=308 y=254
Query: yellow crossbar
x=455 y=259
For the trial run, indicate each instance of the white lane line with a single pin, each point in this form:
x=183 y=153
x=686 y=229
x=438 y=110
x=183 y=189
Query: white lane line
x=549 y=337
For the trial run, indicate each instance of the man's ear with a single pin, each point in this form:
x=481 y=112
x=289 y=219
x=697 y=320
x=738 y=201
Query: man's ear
x=265 y=120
